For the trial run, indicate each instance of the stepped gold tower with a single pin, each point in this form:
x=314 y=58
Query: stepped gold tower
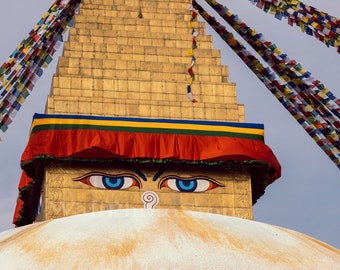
x=126 y=62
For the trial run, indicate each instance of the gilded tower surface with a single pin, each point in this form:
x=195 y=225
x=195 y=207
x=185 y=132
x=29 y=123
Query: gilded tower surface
x=126 y=58
x=117 y=64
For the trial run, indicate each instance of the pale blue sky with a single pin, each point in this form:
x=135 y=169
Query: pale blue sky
x=306 y=197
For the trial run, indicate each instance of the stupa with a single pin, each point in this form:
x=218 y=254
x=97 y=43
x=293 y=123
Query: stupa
x=141 y=114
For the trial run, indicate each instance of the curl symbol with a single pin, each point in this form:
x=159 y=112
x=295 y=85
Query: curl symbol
x=150 y=199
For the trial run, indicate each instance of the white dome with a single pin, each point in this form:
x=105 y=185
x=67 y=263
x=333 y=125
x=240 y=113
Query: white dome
x=160 y=239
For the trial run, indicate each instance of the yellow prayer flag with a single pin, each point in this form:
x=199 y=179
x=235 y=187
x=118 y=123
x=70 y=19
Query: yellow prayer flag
x=237 y=27
x=8 y=86
x=309 y=108
x=314 y=24
x=302 y=26
x=272 y=10
x=322 y=14
x=20 y=86
x=304 y=19
x=297 y=81
x=277 y=51
x=281 y=7
x=322 y=95
x=334 y=136
x=25 y=50
x=20 y=99
x=46 y=14
x=277 y=95
x=325 y=90
x=287 y=92
x=190 y=52
x=191 y=24
x=285 y=78
x=302 y=71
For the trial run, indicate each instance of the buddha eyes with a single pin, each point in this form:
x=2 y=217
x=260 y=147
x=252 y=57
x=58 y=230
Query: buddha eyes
x=126 y=181
x=107 y=181
x=194 y=184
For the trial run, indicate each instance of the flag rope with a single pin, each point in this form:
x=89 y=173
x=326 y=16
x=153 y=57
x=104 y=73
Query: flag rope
x=294 y=105
x=313 y=22
x=25 y=65
x=193 y=47
x=316 y=99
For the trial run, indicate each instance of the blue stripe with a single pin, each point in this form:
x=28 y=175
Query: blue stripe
x=151 y=120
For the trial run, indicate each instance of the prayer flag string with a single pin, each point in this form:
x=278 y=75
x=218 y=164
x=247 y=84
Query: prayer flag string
x=194 y=34
x=288 y=96
x=324 y=27
x=25 y=65
x=313 y=95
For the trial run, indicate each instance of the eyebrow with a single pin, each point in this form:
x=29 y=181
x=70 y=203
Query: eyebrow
x=140 y=174
x=159 y=173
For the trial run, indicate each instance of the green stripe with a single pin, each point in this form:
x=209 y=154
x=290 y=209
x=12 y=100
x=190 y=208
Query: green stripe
x=147 y=160
x=146 y=130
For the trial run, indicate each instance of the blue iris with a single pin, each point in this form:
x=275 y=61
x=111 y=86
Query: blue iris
x=186 y=185
x=113 y=182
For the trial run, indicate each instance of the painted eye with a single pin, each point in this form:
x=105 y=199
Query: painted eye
x=106 y=181
x=193 y=184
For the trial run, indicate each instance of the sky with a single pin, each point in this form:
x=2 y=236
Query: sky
x=307 y=196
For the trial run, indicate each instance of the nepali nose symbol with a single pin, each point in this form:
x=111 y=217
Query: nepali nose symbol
x=150 y=199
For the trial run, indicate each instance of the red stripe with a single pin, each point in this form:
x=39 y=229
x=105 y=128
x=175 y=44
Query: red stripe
x=109 y=144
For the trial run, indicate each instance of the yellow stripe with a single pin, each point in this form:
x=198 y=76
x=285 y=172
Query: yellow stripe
x=178 y=126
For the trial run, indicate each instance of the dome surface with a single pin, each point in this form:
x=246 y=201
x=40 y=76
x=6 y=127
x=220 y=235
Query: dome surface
x=160 y=239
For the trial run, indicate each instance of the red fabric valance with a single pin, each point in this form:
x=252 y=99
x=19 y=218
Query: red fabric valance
x=99 y=139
